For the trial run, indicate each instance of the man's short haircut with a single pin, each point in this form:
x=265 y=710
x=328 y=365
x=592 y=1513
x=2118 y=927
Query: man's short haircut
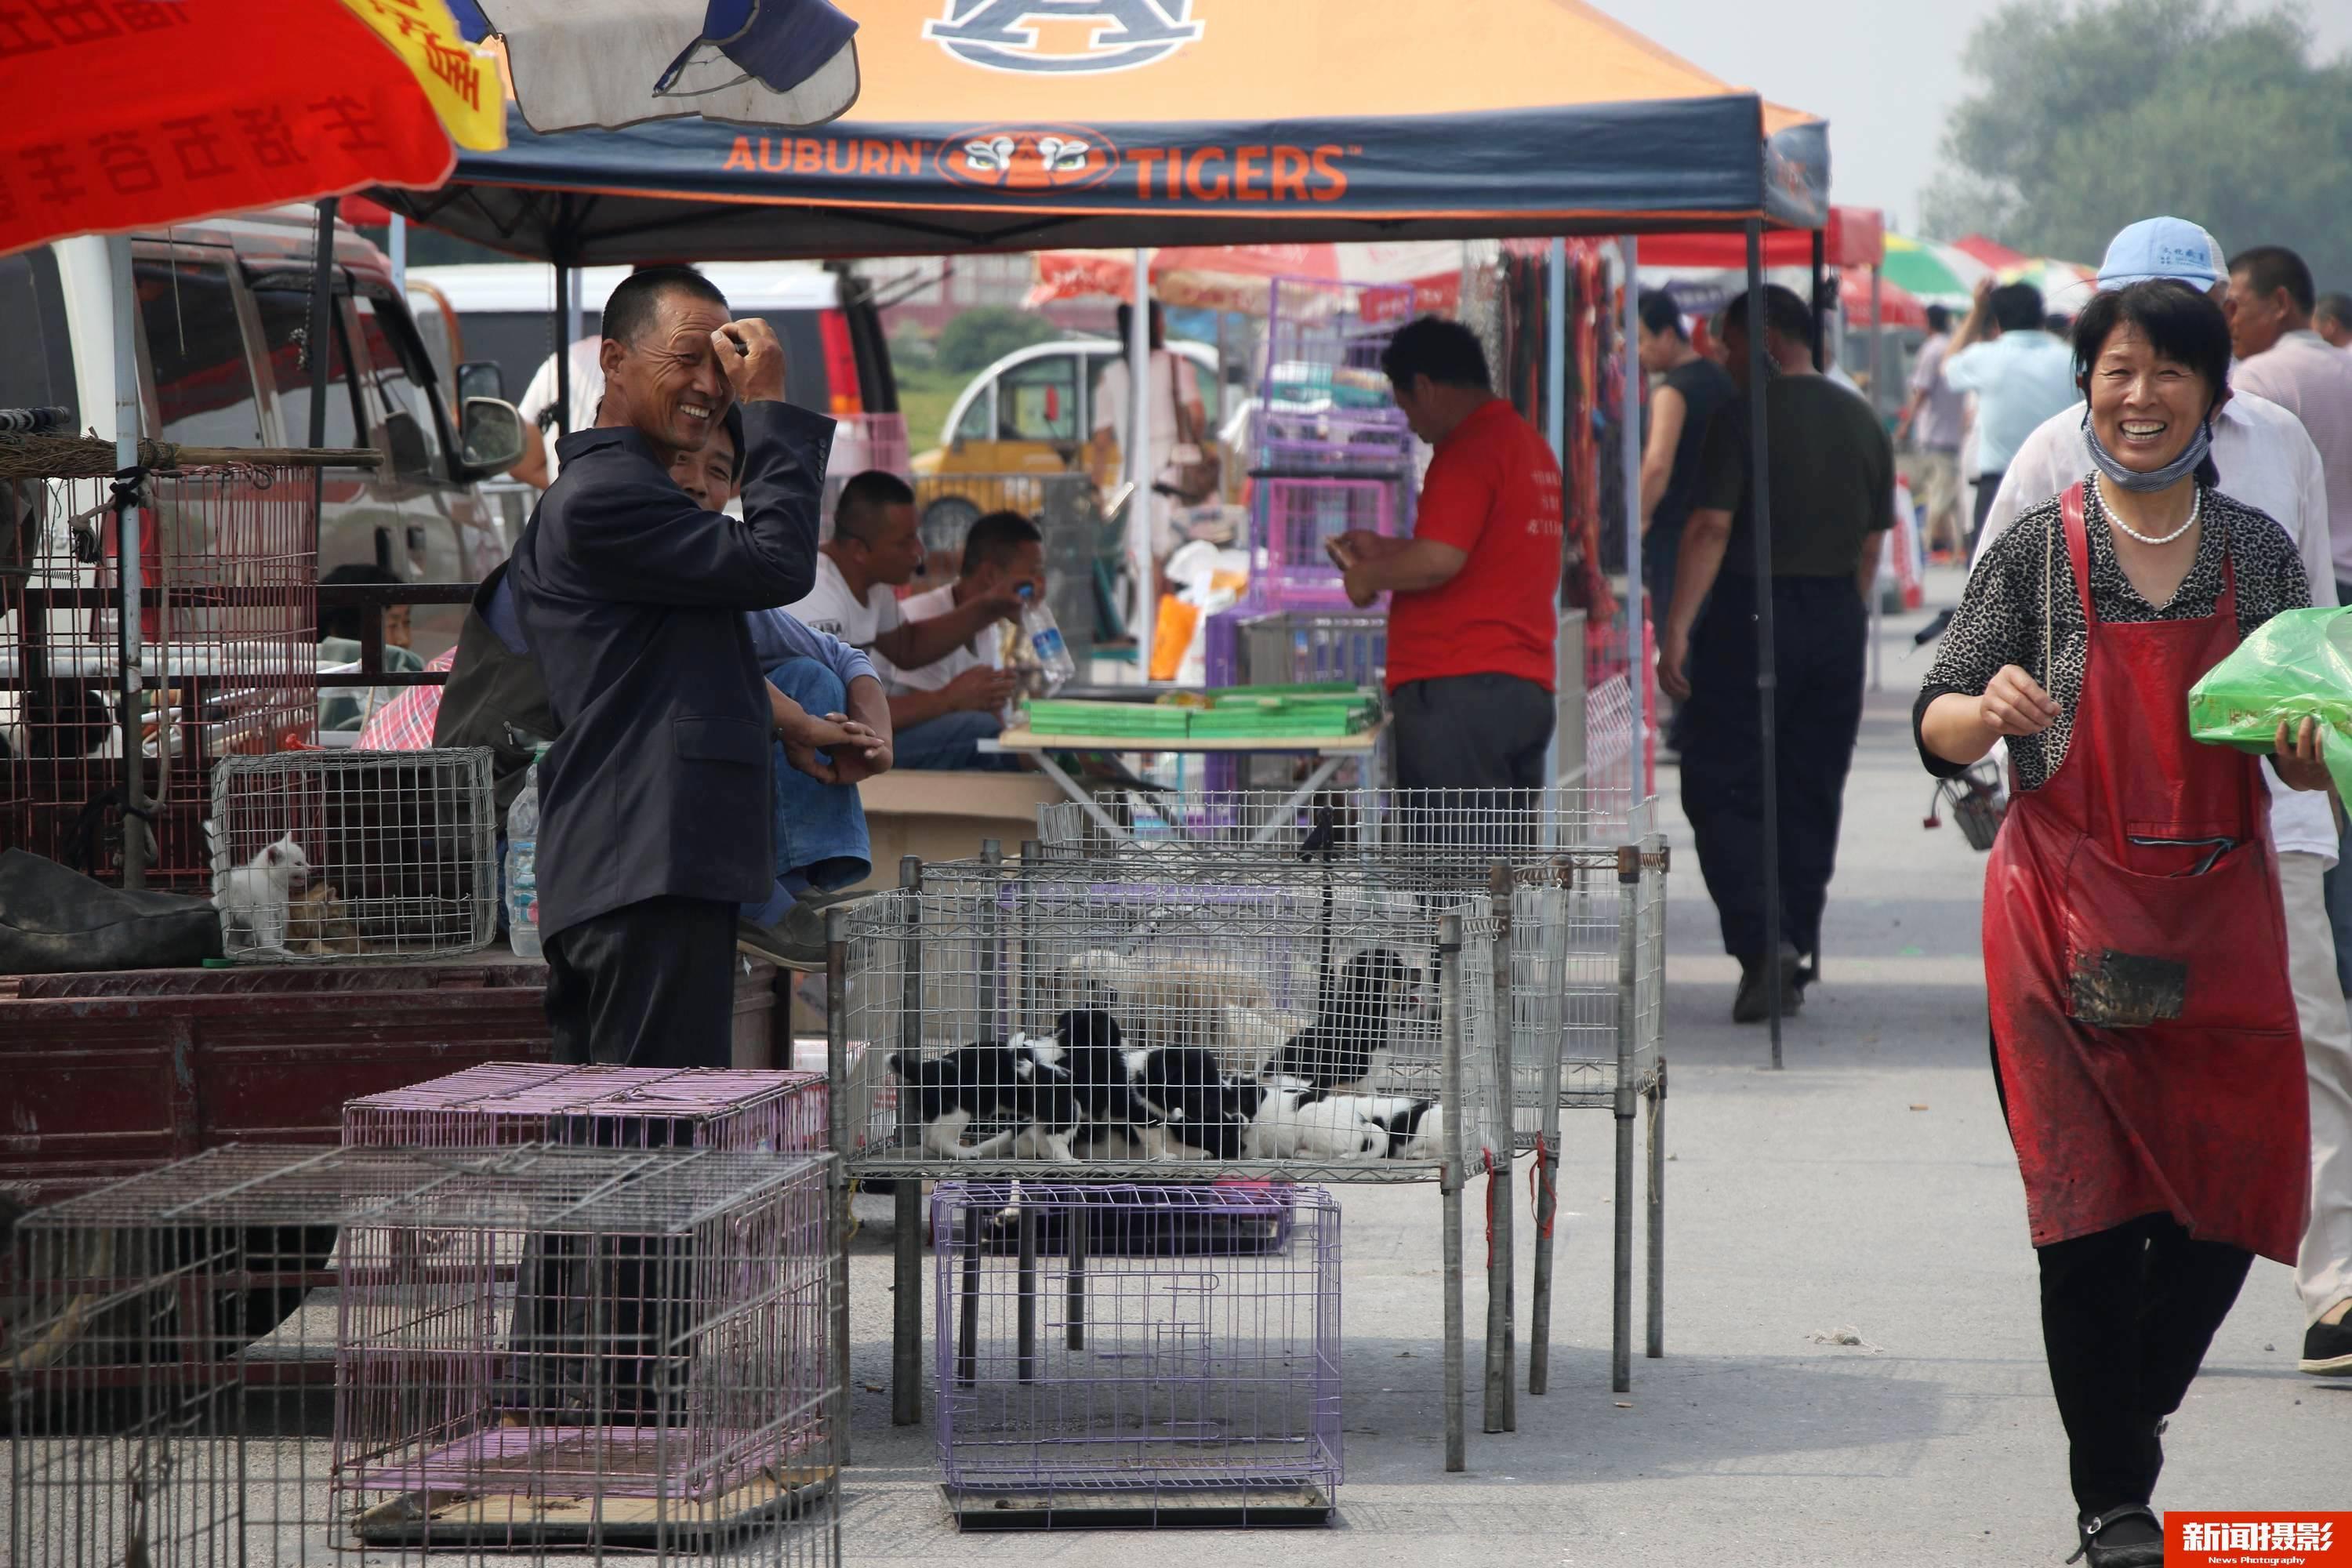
x=1939 y=320
x=1447 y=353
x=633 y=306
x=864 y=501
x=734 y=426
x=2018 y=308
x=1661 y=314
x=2179 y=324
x=997 y=539
x=2336 y=308
x=2270 y=268
x=1785 y=312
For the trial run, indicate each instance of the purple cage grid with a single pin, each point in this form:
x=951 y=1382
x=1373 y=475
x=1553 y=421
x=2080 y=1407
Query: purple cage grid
x=538 y=1103
x=1296 y=516
x=1111 y=1338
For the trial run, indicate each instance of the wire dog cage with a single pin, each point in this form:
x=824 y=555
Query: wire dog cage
x=537 y=1350
x=1118 y=1025
x=502 y=1103
x=345 y=855
x=227 y=573
x=1580 y=943
x=1121 y=1355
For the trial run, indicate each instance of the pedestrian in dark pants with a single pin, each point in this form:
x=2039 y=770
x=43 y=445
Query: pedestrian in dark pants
x=2145 y=1034
x=1833 y=496
x=1474 y=608
x=656 y=803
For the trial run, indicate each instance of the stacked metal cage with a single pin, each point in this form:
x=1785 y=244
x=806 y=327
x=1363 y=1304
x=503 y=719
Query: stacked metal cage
x=535 y=1351
x=502 y=1103
x=227 y=574
x=353 y=855
x=1138 y=1354
x=1573 y=954
x=1127 y=1023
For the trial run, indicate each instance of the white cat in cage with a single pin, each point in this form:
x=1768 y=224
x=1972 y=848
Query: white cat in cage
x=252 y=898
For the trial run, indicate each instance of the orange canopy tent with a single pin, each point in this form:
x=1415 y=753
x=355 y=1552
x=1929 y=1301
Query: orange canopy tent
x=986 y=124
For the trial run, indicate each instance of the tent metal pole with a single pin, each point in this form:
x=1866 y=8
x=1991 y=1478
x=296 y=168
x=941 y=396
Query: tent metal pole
x=565 y=332
x=1637 y=666
x=397 y=244
x=1760 y=531
x=1141 y=500
x=136 y=844
x=1878 y=407
x=1821 y=302
x=1555 y=400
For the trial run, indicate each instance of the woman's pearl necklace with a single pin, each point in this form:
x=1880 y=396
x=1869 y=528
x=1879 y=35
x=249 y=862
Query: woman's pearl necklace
x=2196 y=505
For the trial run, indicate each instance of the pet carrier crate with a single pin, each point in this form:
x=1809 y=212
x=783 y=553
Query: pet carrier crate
x=1295 y=517
x=613 y=1107
x=1118 y=1024
x=536 y=1348
x=355 y=854
x=227 y=583
x=1324 y=402
x=1162 y=1355
x=1581 y=944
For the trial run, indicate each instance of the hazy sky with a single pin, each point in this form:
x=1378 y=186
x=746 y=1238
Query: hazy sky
x=1883 y=73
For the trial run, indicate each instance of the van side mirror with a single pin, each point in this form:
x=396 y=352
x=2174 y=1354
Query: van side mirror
x=481 y=378
x=492 y=438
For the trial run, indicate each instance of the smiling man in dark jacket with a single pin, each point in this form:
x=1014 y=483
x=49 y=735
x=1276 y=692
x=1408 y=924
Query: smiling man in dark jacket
x=655 y=802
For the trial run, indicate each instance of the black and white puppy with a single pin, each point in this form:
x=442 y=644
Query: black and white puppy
x=1192 y=1108
x=1294 y=1122
x=1352 y=1023
x=1019 y=1081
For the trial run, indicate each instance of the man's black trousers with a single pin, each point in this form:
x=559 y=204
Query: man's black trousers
x=1819 y=628
x=650 y=984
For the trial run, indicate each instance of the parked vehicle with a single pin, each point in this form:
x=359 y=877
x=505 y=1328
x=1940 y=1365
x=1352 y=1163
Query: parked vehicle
x=224 y=313
x=1030 y=413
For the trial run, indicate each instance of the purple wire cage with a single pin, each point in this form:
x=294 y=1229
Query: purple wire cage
x=1295 y=517
x=540 y=1102
x=1324 y=402
x=1121 y=1354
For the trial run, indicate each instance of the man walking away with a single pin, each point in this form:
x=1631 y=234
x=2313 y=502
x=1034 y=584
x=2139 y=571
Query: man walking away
x=1474 y=611
x=2332 y=320
x=1832 y=472
x=2021 y=373
x=1688 y=389
x=1934 y=420
x=655 y=801
x=2270 y=307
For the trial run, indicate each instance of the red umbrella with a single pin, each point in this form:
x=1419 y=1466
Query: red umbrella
x=1235 y=277
x=1896 y=306
x=138 y=113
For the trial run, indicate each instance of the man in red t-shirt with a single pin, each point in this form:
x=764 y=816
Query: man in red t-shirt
x=1474 y=605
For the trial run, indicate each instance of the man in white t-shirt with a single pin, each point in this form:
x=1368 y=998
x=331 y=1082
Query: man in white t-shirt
x=876 y=549
x=539 y=464
x=1934 y=420
x=1171 y=375
x=1002 y=553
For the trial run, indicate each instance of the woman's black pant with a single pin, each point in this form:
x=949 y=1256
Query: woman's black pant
x=2126 y=1316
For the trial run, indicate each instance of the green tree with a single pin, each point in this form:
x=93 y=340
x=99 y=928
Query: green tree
x=2086 y=120
x=981 y=336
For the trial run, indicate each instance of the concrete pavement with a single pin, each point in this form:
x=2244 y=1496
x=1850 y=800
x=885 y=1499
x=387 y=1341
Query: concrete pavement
x=1867 y=1187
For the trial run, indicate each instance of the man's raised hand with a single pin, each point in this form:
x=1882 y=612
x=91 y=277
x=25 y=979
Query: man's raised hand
x=752 y=358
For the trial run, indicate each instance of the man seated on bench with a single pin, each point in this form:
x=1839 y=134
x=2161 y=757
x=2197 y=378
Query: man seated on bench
x=1002 y=553
x=876 y=549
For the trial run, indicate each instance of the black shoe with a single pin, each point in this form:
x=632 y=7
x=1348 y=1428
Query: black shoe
x=2327 y=1349
x=1753 y=1003
x=2127 y=1537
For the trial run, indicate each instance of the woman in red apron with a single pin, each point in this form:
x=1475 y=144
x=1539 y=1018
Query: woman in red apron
x=2145 y=1039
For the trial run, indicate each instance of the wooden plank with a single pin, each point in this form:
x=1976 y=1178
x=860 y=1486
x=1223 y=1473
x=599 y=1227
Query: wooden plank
x=489 y=1520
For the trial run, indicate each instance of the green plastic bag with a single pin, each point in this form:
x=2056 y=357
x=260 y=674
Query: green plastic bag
x=2297 y=665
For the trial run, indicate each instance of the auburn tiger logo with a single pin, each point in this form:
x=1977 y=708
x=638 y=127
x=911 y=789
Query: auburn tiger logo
x=1029 y=157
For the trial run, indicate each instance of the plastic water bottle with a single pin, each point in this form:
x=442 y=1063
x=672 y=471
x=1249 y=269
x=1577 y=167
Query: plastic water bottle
x=522 y=866
x=1044 y=634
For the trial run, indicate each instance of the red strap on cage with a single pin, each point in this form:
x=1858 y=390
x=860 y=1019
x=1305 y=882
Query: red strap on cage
x=1539 y=1187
